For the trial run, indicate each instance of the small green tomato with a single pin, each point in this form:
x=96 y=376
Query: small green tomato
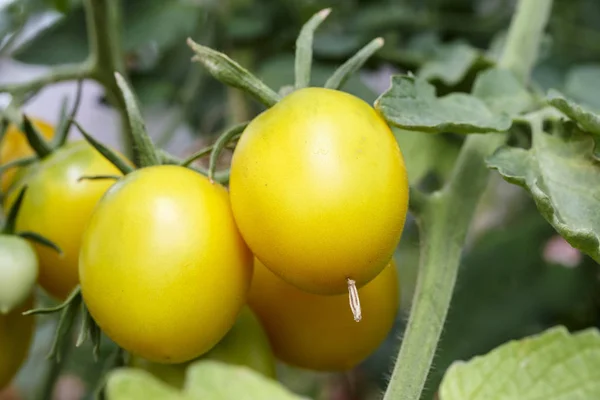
x=18 y=271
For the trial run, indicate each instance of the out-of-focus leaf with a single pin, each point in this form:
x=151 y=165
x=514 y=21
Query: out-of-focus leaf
x=562 y=174
x=152 y=23
x=411 y=103
x=217 y=380
x=452 y=62
x=63 y=42
x=587 y=119
x=279 y=71
x=502 y=92
x=555 y=365
x=158 y=22
x=137 y=384
x=204 y=380
x=583 y=85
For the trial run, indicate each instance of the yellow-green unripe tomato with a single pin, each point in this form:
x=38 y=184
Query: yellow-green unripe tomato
x=163 y=269
x=18 y=271
x=319 y=332
x=57 y=205
x=246 y=344
x=319 y=190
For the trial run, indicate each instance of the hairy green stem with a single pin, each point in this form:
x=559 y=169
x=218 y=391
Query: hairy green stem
x=524 y=37
x=104 y=36
x=446 y=215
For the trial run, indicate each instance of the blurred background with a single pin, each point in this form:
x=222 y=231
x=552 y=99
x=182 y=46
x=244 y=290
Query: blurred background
x=517 y=277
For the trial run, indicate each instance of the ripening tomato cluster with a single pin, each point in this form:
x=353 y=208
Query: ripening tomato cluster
x=168 y=260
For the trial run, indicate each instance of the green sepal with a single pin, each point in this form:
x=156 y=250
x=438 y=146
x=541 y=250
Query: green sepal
x=304 y=48
x=89 y=330
x=35 y=138
x=220 y=144
x=109 y=154
x=169 y=159
x=233 y=74
x=65 y=322
x=98 y=177
x=199 y=154
x=50 y=310
x=62 y=131
x=345 y=71
x=39 y=239
x=144 y=151
x=11 y=218
x=19 y=162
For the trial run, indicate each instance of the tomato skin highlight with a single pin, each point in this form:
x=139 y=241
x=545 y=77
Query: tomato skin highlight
x=319 y=332
x=58 y=206
x=16 y=333
x=15 y=145
x=163 y=268
x=18 y=271
x=319 y=190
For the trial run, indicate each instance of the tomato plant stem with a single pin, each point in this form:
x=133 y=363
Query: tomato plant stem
x=104 y=36
x=445 y=216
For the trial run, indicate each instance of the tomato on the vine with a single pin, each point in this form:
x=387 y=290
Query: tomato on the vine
x=16 y=332
x=245 y=344
x=163 y=268
x=15 y=145
x=319 y=332
x=319 y=190
x=58 y=205
x=18 y=271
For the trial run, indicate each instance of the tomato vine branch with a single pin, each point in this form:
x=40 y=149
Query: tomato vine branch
x=446 y=216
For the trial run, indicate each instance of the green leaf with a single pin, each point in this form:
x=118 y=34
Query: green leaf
x=411 y=103
x=502 y=92
x=347 y=69
x=562 y=174
x=144 y=151
x=204 y=380
x=588 y=120
x=213 y=380
x=451 y=63
x=551 y=366
x=304 y=48
x=137 y=384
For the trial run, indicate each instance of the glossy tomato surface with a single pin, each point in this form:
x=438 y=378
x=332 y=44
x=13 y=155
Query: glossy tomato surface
x=15 y=145
x=57 y=205
x=16 y=332
x=319 y=332
x=163 y=268
x=319 y=190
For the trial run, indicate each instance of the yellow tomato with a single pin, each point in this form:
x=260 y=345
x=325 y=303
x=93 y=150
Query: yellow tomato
x=16 y=332
x=15 y=145
x=163 y=268
x=319 y=190
x=246 y=344
x=319 y=332
x=58 y=207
